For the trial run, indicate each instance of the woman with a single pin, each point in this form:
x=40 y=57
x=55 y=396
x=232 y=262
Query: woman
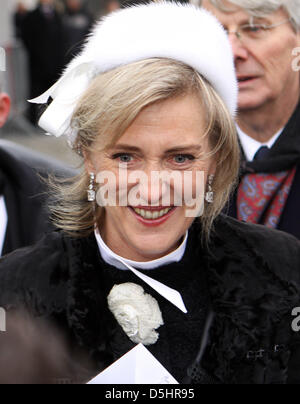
x=137 y=102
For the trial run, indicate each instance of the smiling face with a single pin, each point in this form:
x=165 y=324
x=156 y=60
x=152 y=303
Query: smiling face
x=264 y=65
x=165 y=136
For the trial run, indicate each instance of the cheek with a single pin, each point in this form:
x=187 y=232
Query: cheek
x=277 y=60
x=193 y=185
x=116 y=218
x=194 y=193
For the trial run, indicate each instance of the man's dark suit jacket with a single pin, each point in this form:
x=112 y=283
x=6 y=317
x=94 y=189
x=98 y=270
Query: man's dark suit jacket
x=25 y=194
x=284 y=155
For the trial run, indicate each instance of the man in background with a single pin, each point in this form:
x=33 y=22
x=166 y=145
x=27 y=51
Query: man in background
x=77 y=23
x=264 y=35
x=19 y=18
x=111 y=6
x=42 y=34
x=24 y=217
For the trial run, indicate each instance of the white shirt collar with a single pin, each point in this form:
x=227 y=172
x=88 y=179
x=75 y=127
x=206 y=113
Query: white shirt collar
x=3 y=223
x=251 y=146
x=113 y=259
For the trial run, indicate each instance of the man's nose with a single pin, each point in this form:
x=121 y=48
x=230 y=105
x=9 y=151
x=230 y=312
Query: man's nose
x=240 y=51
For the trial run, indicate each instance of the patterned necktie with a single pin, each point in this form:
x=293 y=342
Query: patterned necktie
x=262 y=197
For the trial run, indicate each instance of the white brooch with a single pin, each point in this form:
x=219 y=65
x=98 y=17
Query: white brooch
x=137 y=312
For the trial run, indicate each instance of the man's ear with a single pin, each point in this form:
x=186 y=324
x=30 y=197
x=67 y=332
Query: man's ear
x=4 y=108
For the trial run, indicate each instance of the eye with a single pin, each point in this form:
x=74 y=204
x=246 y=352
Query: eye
x=123 y=157
x=183 y=158
x=253 y=28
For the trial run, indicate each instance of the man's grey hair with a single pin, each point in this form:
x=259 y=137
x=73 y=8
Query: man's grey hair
x=261 y=8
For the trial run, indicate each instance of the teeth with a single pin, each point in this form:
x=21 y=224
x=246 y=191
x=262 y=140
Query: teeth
x=147 y=214
x=155 y=215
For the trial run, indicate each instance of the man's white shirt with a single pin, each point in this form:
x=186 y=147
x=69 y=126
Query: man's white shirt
x=251 y=146
x=3 y=222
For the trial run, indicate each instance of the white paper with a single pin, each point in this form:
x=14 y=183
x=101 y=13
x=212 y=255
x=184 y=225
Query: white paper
x=138 y=366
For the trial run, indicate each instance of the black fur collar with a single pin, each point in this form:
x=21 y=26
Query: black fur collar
x=249 y=297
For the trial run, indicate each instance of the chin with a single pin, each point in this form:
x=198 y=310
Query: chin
x=154 y=247
x=252 y=101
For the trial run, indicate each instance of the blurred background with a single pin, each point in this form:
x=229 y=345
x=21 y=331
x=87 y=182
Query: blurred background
x=39 y=38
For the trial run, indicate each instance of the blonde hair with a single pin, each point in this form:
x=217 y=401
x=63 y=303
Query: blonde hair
x=112 y=102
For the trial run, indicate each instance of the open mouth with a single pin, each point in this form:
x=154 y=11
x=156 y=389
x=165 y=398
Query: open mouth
x=245 y=79
x=152 y=214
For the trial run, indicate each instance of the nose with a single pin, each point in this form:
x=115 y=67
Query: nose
x=240 y=51
x=150 y=191
x=151 y=188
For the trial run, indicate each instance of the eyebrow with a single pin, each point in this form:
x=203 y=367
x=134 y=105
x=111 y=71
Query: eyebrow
x=194 y=147
x=257 y=20
x=244 y=21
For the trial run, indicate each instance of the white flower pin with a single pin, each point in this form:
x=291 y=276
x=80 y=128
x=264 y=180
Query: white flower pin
x=137 y=312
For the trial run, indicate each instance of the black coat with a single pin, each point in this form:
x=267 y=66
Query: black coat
x=25 y=194
x=43 y=39
x=249 y=276
x=284 y=155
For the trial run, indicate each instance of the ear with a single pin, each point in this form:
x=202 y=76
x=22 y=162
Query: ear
x=212 y=170
x=4 y=108
x=88 y=163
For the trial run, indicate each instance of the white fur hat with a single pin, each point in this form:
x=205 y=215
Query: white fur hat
x=171 y=30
